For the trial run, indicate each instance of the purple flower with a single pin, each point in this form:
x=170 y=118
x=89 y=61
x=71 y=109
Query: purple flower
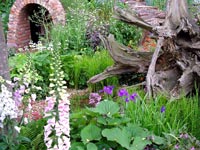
x=122 y=92
x=162 y=109
x=108 y=89
x=94 y=98
x=192 y=148
x=176 y=146
x=184 y=136
x=22 y=89
x=17 y=97
x=181 y=135
x=127 y=100
x=133 y=96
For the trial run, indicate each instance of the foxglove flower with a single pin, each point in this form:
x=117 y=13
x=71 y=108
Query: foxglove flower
x=8 y=107
x=60 y=127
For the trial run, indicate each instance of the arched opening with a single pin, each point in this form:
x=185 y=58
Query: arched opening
x=39 y=19
x=21 y=30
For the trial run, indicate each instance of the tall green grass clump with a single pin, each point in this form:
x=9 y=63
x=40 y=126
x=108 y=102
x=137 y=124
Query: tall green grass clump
x=161 y=115
x=80 y=68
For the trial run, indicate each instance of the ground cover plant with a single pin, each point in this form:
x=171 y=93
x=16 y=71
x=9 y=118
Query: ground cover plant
x=106 y=116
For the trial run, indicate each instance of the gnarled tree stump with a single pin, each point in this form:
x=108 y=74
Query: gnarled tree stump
x=174 y=67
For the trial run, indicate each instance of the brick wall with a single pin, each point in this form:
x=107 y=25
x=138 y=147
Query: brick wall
x=19 y=34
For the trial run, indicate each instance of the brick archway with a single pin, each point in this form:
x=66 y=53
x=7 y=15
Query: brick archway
x=19 y=31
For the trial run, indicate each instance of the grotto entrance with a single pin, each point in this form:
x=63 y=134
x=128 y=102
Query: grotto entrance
x=40 y=21
x=29 y=19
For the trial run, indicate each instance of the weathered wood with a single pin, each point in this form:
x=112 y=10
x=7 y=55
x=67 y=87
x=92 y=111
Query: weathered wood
x=126 y=60
x=152 y=67
x=112 y=71
x=174 y=67
x=131 y=18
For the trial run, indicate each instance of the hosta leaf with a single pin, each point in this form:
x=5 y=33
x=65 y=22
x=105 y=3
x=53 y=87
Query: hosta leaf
x=138 y=131
x=106 y=107
x=101 y=120
x=90 y=133
x=118 y=135
x=117 y=121
x=77 y=146
x=139 y=143
x=91 y=146
x=158 y=140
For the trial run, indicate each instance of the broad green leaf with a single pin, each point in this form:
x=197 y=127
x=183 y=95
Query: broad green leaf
x=139 y=143
x=137 y=131
x=106 y=107
x=101 y=120
x=117 y=121
x=121 y=136
x=77 y=146
x=90 y=133
x=91 y=146
x=158 y=140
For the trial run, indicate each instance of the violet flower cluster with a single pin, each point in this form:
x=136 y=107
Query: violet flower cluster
x=107 y=90
x=94 y=99
x=128 y=97
x=183 y=136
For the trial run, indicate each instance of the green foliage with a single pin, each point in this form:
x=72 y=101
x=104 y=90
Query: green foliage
x=90 y=133
x=126 y=34
x=137 y=124
x=106 y=107
x=34 y=131
x=72 y=36
x=35 y=66
x=80 y=68
x=182 y=140
x=30 y=137
x=4 y=13
x=177 y=114
x=105 y=127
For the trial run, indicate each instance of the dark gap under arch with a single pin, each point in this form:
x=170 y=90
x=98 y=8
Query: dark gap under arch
x=39 y=18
